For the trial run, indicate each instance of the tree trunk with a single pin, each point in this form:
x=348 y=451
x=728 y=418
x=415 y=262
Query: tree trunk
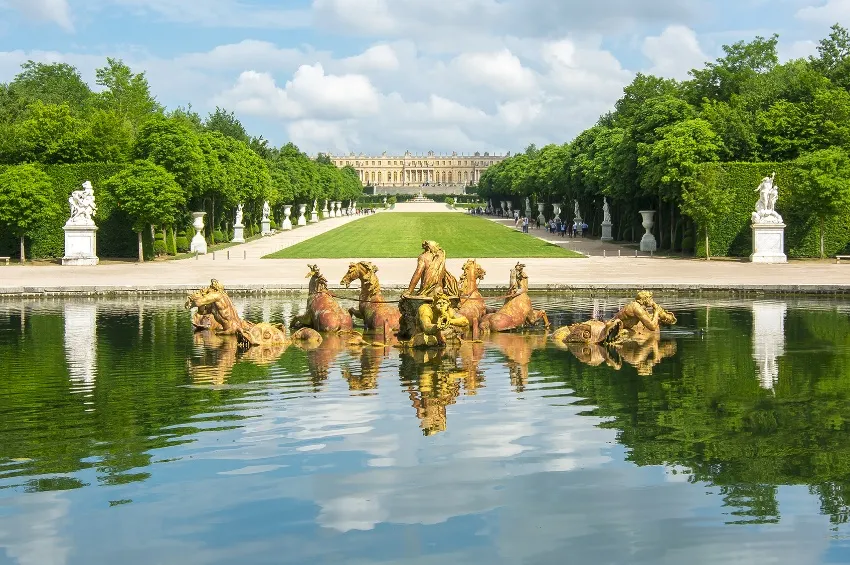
x=141 y=248
x=660 y=225
x=23 y=251
x=212 y=222
x=821 y=239
x=672 y=226
x=707 y=249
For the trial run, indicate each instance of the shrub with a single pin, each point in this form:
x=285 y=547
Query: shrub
x=170 y=245
x=159 y=247
x=182 y=243
x=220 y=237
x=687 y=243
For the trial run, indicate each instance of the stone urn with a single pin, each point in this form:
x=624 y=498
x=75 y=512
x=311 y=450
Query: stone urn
x=199 y=243
x=338 y=212
x=557 y=210
x=504 y=207
x=540 y=217
x=647 y=242
x=287 y=223
x=302 y=220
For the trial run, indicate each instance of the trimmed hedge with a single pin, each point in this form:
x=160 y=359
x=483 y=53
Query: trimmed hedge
x=732 y=236
x=115 y=237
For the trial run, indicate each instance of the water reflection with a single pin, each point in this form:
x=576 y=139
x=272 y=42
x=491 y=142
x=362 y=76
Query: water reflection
x=80 y=341
x=510 y=450
x=768 y=340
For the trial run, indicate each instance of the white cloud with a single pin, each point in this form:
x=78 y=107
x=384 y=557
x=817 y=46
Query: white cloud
x=797 y=50
x=56 y=11
x=376 y=58
x=311 y=94
x=673 y=53
x=502 y=71
x=828 y=13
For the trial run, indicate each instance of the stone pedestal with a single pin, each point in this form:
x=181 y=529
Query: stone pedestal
x=265 y=227
x=579 y=226
x=286 y=225
x=325 y=213
x=238 y=234
x=302 y=220
x=199 y=243
x=768 y=243
x=80 y=245
x=606 y=231
x=540 y=217
x=647 y=242
x=314 y=215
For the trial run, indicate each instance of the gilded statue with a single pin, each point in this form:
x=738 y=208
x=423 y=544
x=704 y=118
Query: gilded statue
x=216 y=313
x=632 y=321
x=437 y=323
x=431 y=274
x=517 y=311
x=323 y=313
x=372 y=308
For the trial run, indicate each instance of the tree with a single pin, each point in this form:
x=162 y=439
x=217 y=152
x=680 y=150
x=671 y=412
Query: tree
x=833 y=59
x=227 y=124
x=726 y=76
x=126 y=92
x=50 y=134
x=50 y=83
x=704 y=201
x=147 y=193
x=174 y=145
x=26 y=201
x=822 y=184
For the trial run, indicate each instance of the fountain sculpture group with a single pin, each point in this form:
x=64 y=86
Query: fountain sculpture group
x=436 y=311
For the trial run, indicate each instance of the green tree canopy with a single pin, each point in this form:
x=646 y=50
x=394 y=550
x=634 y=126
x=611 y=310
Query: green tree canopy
x=26 y=200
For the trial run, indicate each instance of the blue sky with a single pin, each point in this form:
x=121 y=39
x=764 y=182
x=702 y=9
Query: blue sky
x=394 y=75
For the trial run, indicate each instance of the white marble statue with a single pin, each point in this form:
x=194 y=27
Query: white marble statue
x=266 y=211
x=528 y=207
x=606 y=212
x=238 y=221
x=577 y=213
x=766 y=206
x=83 y=207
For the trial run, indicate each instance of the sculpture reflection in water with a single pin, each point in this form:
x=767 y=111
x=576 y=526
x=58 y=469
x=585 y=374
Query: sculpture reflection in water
x=517 y=349
x=215 y=355
x=434 y=378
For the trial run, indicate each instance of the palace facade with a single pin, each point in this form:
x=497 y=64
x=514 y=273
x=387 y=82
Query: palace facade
x=418 y=170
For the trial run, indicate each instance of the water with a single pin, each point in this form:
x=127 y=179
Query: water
x=126 y=439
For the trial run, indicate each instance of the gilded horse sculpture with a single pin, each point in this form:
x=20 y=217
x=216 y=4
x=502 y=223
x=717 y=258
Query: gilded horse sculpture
x=517 y=311
x=472 y=305
x=217 y=313
x=323 y=313
x=372 y=307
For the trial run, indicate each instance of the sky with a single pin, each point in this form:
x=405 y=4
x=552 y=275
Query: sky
x=368 y=76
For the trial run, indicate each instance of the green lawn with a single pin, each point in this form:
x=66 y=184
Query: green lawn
x=400 y=234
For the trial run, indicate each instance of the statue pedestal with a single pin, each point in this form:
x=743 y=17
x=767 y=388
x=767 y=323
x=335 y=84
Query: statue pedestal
x=768 y=243
x=238 y=234
x=80 y=245
x=579 y=226
x=314 y=216
x=606 y=231
x=265 y=227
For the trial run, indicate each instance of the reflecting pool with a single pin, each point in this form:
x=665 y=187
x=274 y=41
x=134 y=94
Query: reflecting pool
x=126 y=438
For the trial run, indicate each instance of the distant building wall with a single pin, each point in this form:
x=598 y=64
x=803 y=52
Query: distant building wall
x=420 y=171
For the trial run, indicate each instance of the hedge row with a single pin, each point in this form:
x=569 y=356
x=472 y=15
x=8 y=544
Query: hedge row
x=732 y=236
x=115 y=237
